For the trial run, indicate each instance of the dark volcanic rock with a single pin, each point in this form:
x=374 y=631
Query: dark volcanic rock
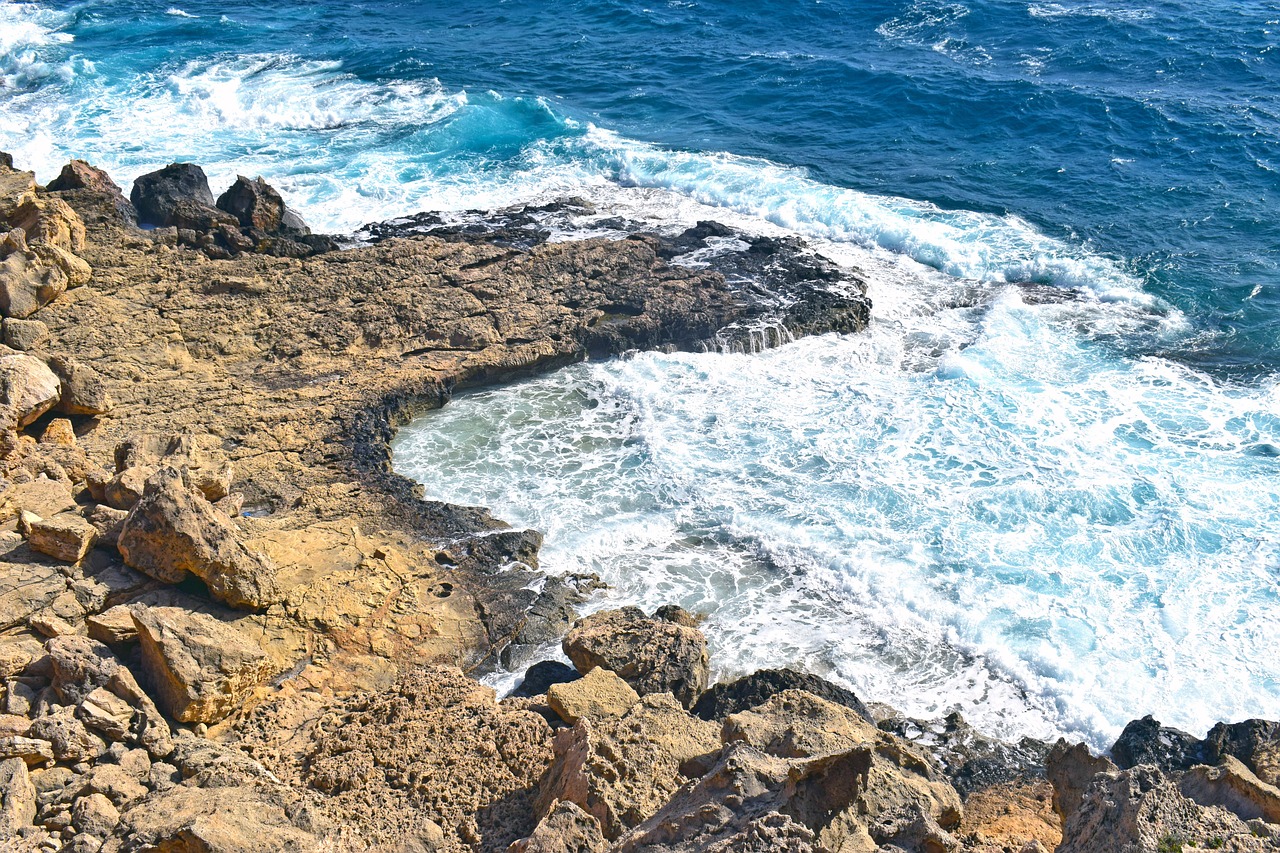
x=1254 y=742
x=971 y=760
x=542 y=675
x=256 y=204
x=652 y=655
x=1145 y=741
x=756 y=689
x=156 y=195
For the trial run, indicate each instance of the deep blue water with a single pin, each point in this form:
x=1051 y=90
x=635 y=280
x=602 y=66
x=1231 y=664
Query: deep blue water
x=1117 y=456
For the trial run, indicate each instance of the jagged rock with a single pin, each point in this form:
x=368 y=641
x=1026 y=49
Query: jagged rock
x=565 y=829
x=66 y=537
x=80 y=666
x=17 y=797
x=1233 y=786
x=255 y=204
x=600 y=694
x=971 y=760
x=112 y=782
x=622 y=770
x=108 y=522
x=747 y=692
x=173 y=531
x=113 y=625
x=901 y=786
x=223 y=820
x=25 y=334
x=201 y=668
x=79 y=175
x=71 y=741
x=27 y=586
x=124 y=490
x=189 y=214
x=31 y=750
x=1254 y=742
x=1145 y=741
x=59 y=432
x=95 y=815
x=14 y=186
x=49 y=221
x=549 y=616
x=1011 y=816
x=1070 y=769
x=83 y=390
x=1140 y=809
x=652 y=655
x=156 y=194
x=28 y=283
x=28 y=389
x=18 y=700
x=435 y=744
x=540 y=677
x=107 y=714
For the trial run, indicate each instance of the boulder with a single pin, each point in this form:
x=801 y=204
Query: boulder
x=256 y=204
x=70 y=740
x=66 y=537
x=156 y=194
x=80 y=666
x=113 y=625
x=1145 y=741
x=25 y=334
x=49 y=221
x=1070 y=769
x=108 y=522
x=222 y=820
x=565 y=829
x=14 y=187
x=28 y=389
x=621 y=771
x=201 y=668
x=173 y=531
x=747 y=692
x=652 y=655
x=540 y=677
x=17 y=797
x=192 y=215
x=83 y=390
x=600 y=694
x=95 y=815
x=31 y=750
x=28 y=283
x=106 y=714
x=27 y=584
x=1255 y=742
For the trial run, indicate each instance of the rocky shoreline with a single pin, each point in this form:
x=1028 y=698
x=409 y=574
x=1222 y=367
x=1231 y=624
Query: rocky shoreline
x=227 y=625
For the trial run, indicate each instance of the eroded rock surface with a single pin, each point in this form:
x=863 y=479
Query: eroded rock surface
x=653 y=655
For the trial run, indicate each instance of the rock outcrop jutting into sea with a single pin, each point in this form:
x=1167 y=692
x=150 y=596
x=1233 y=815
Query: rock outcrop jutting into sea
x=226 y=625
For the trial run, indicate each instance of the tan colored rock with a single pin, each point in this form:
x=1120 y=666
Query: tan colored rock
x=42 y=497
x=80 y=666
x=565 y=829
x=66 y=537
x=108 y=522
x=202 y=668
x=221 y=820
x=95 y=815
x=71 y=740
x=621 y=771
x=84 y=391
x=50 y=221
x=1014 y=815
x=76 y=270
x=600 y=694
x=17 y=797
x=59 y=432
x=1233 y=786
x=1070 y=769
x=14 y=186
x=653 y=655
x=28 y=283
x=106 y=714
x=113 y=782
x=124 y=490
x=113 y=625
x=901 y=787
x=26 y=586
x=31 y=750
x=28 y=389
x=24 y=334
x=173 y=530
x=14 y=725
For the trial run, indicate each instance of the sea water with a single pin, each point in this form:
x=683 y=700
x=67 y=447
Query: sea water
x=1050 y=514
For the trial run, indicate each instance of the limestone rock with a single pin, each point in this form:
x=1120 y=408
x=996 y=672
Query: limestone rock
x=621 y=771
x=113 y=625
x=652 y=655
x=113 y=782
x=49 y=221
x=66 y=537
x=83 y=390
x=71 y=741
x=28 y=283
x=1233 y=786
x=721 y=700
x=95 y=815
x=79 y=175
x=201 y=668
x=25 y=334
x=27 y=584
x=17 y=797
x=600 y=694
x=108 y=522
x=31 y=750
x=173 y=530
x=565 y=829
x=80 y=666
x=901 y=786
x=156 y=194
x=14 y=186
x=971 y=760
x=28 y=389
x=106 y=714
x=1142 y=810
x=1070 y=769
x=223 y=820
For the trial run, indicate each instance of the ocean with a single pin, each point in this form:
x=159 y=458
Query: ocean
x=1053 y=515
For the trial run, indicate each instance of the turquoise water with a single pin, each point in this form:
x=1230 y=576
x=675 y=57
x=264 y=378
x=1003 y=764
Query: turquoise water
x=1053 y=516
